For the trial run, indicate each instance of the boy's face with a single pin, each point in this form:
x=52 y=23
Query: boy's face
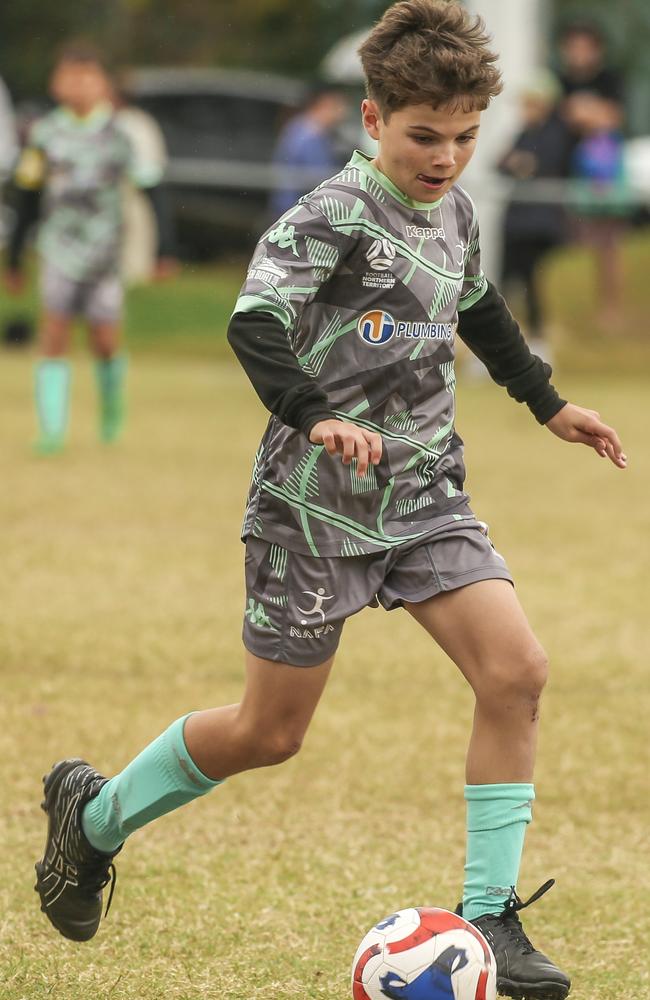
x=79 y=85
x=422 y=150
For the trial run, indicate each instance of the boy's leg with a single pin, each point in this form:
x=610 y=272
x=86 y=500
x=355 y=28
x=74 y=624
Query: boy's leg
x=266 y=727
x=482 y=627
x=52 y=382
x=103 y=302
x=90 y=816
x=110 y=370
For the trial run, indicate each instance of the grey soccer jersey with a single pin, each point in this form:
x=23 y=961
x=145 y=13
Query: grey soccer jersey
x=80 y=163
x=368 y=284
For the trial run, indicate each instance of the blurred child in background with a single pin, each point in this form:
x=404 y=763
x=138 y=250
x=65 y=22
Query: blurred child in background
x=541 y=151
x=593 y=108
x=69 y=176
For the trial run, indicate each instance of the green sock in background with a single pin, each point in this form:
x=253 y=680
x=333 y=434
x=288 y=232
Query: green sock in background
x=497 y=817
x=111 y=375
x=161 y=778
x=52 y=390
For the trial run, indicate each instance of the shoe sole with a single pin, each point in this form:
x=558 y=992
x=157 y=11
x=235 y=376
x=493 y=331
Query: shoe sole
x=51 y=784
x=532 y=991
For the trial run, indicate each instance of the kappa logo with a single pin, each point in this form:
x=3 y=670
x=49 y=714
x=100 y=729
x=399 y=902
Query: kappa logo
x=285 y=237
x=257 y=615
x=425 y=232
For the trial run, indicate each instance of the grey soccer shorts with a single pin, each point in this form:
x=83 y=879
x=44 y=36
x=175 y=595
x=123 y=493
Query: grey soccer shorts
x=97 y=301
x=296 y=605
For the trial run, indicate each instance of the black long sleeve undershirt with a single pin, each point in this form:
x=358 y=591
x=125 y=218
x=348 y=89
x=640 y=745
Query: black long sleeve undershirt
x=261 y=345
x=27 y=205
x=489 y=330
x=493 y=335
x=158 y=196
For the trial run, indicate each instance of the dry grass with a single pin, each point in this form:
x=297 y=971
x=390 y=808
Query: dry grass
x=121 y=605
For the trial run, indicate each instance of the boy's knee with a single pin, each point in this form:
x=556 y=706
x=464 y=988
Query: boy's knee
x=282 y=746
x=519 y=677
x=274 y=746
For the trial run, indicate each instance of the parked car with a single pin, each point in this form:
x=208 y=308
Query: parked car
x=220 y=127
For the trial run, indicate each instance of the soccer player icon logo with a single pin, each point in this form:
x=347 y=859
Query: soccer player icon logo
x=317 y=609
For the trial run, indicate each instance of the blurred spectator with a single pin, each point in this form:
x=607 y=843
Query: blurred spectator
x=8 y=141
x=140 y=238
x=18 y=328
x=70 y=172
x=541 y=151
x=592 y=106
x=305 y=144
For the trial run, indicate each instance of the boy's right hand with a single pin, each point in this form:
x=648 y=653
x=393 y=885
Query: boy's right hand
x=14 y=282
x=348 y=440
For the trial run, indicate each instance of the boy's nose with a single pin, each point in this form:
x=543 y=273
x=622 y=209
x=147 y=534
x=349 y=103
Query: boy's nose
x=444 y=158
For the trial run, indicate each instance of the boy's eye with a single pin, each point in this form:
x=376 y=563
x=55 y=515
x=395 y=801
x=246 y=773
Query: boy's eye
x=464 y=139
x=422 y=139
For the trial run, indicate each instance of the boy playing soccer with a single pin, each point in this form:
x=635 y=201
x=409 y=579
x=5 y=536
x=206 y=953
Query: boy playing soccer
x=76 y=161
x=345 y=326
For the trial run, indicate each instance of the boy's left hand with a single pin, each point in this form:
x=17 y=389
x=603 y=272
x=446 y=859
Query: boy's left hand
x=574 y=423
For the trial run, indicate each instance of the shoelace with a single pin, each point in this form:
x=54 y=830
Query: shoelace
x=515 y=903
x=509 y=921
x=97 y=874
x=99 y=869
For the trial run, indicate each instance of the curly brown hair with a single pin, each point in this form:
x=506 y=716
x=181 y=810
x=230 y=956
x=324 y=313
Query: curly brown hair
x=429 y=52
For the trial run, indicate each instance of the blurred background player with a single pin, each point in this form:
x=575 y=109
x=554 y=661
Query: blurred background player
x=541 y=151
x=305 y=147
x=593 y=108
x=70 y=176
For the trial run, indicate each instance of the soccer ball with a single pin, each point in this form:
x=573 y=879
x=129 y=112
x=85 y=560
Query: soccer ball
x=424 y=953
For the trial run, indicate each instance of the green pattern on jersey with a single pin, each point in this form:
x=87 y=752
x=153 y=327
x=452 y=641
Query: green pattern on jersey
x=86 y=161
x=392 y=374
x=278 y=560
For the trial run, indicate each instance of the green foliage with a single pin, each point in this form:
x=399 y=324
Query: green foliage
x=288 y=36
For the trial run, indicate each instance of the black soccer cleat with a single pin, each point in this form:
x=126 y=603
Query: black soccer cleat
x=522 y=972
x=71 y=875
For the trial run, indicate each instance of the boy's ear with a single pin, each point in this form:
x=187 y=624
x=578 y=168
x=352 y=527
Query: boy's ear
x=370 y=116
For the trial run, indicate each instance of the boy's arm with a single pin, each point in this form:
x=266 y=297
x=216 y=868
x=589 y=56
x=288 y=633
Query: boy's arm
x=261 y=345
x=260 y=342
x=493 y=335
x=27 y=208
x=491 y=332
x=27 y=183
x=158 y=197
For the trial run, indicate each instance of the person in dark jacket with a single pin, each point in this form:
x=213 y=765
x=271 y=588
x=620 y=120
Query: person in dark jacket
x=534 y=223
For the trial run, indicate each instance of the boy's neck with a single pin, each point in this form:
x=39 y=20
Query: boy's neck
x=99 y=109
x=363 y=160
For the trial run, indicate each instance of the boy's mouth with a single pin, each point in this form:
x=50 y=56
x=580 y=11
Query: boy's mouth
x=433 y=183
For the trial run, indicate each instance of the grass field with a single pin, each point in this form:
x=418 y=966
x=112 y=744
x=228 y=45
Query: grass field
x=120 y=602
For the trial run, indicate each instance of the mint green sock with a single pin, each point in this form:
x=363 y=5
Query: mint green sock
x=497 y=816
x=52 y=390
x=111 y=374
x=160 y=779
